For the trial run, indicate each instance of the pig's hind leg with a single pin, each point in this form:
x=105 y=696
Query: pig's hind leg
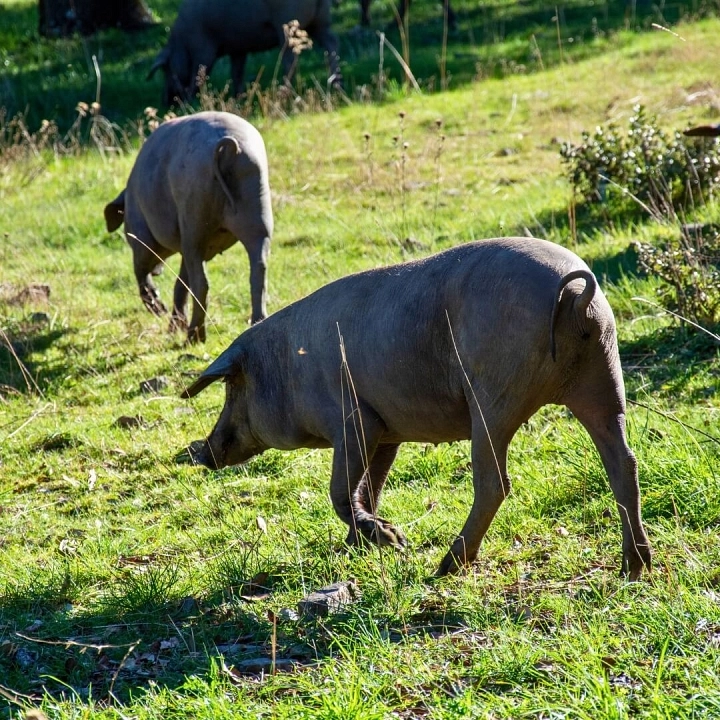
x=491 y=485
x=360 y=467
x=178 y=320
x=148 y=258
x=602 y=411
x=194 y=239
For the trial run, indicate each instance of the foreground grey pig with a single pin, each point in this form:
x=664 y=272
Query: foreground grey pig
x=199 y=184
x=468 y=343
x=208 y=29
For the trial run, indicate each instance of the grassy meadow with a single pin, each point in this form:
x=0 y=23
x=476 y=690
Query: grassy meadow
x=135 y=585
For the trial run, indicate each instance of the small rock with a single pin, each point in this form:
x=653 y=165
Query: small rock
x=34 y=292
x=188 y=606
x=154 y=385
x=410 y=244
x=255 y=666
x=35 y=715
x=40 y=318
x=128 y=422
x=24 y=659
x=328 y=600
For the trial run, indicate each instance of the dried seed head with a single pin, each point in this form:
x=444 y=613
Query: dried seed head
x=296 y=38
x=401 y=114
x=81 y=108
x=438 y=123
x=366 y=136
x=406 y=145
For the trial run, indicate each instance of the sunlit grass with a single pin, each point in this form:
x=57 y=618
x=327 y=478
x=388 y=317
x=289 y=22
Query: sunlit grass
x=125 y=575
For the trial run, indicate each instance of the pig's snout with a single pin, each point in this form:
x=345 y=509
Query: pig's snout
x=202 y=454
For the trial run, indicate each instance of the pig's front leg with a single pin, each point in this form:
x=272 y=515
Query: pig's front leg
x=359 y=470
x=367 y=499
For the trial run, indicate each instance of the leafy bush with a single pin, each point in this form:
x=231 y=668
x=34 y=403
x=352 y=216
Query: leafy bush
x=690 y=268
x=644 y=165
x=662 y=174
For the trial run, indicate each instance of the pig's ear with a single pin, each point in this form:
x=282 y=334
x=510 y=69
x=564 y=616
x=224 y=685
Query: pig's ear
x=228 y=363
x=115 y=212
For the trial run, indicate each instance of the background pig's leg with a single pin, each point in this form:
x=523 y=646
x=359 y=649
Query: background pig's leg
x=147 y=256
x=193 y=243
x=178 y=321
x=258 y=253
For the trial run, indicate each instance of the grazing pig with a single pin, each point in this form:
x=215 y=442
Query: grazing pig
x=199 y=184
x=402 y=11
x=208 y=29
x=468 y=343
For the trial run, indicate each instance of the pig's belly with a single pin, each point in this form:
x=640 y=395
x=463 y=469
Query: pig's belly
x=428 y=424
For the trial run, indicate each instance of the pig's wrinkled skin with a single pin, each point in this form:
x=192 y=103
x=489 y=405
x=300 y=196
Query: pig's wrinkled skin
x=206 y=30
x=199 y=184
x=468 y=343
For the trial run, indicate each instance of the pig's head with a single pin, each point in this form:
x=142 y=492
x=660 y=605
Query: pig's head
x=231 y=441
x=174 y=60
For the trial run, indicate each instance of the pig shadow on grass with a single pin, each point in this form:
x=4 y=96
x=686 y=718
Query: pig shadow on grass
x=27 y=365
x=136 y=643
x=124 y=650
x=591 y=221
x=673 y=361
x=18 y=372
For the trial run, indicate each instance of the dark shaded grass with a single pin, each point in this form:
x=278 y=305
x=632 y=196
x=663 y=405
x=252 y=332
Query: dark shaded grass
x=46 y=78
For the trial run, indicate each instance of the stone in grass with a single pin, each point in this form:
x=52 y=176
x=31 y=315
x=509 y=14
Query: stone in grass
x=40 y=318
x=264 y=665
x=129 y=422
x=328 y=600
x=154 y=385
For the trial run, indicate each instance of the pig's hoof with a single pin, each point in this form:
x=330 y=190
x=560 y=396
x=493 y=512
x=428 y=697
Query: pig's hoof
x=196 y=335
x=381 y=532
x=632 y=567
x=450 y=565
x=177 y=323
x=191 y=454
x=154 y=304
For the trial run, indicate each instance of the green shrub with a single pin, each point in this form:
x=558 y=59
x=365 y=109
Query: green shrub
x=689 y=266
x=643 y=166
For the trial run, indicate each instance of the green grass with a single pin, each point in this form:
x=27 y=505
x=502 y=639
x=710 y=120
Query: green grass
x=124 y=573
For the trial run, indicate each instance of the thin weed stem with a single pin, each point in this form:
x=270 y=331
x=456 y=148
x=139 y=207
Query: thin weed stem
x=443 y=49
